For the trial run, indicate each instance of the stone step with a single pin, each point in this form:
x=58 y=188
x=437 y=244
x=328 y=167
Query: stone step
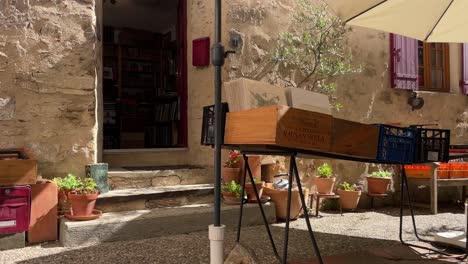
x=154 y=197
x=157 y=176
x=141 y=224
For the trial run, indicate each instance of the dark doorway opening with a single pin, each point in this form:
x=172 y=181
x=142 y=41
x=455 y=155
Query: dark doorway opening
x=144 y=74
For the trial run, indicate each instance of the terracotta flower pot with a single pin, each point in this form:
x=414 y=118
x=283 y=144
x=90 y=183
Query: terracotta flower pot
x=280 y=199
x=249 y=189
x=349 y=199
x=231 y=198
x=63 y=204
x=231 y=174
x=82 y=204
x=325 y=185
x=377 y=185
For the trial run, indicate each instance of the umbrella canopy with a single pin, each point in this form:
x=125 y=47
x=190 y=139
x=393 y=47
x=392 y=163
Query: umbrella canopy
x=426 y=20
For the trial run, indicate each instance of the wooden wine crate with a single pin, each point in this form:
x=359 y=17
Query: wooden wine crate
x=279 y=126
x=244 y=94
x=17 y=171
x=355 y=139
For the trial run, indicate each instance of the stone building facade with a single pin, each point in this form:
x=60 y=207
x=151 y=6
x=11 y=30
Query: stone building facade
x=51 y=96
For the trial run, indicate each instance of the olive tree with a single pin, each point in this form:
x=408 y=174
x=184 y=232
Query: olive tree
x=313 y=51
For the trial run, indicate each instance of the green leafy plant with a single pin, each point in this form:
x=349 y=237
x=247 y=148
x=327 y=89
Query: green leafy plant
x=69 y=183
x=232 y=187
x=76 y=185
x=313 y=51
x=324 y=171
x=381 y=174
x=348 y=187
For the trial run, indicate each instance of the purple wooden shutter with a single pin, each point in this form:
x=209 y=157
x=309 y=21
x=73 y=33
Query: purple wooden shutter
x=404 y=62
x=464 y=80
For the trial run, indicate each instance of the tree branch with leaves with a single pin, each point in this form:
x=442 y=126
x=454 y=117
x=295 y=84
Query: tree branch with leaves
x=313 y=51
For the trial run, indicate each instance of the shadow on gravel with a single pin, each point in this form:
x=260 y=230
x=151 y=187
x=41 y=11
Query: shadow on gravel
x=194 y=248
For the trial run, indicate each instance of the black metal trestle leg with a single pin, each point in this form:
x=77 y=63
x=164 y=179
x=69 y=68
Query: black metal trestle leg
x=265 y=221
x=403 y=185
x=239 y=225
x=288 y=213
x=306 y=214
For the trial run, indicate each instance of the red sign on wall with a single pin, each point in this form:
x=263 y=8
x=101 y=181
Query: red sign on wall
x=201 y=52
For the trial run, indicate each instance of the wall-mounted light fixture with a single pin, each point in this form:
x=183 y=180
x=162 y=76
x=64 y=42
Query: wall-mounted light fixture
x=415 y=101
x=235 y=41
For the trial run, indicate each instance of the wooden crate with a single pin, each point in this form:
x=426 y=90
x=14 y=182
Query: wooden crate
x=244 y=94
x=279 y=126
x=15 y=171
x=308 y=100
x=355 y=139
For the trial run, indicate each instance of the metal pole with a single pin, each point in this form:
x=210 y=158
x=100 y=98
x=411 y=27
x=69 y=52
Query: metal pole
x=217 y=59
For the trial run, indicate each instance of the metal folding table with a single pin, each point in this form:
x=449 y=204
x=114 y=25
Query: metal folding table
x=294 y=174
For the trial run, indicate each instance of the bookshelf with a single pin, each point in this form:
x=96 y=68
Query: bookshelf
x=141 y=99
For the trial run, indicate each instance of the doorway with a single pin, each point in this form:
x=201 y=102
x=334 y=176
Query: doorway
x=144 y=74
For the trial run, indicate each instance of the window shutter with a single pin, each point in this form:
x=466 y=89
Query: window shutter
x=464 y=81
x=404 y=62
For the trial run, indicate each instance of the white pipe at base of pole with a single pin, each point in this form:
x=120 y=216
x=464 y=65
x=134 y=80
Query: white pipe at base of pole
x=216 y=236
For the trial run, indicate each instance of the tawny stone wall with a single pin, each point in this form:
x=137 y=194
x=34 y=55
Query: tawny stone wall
x=48 y=82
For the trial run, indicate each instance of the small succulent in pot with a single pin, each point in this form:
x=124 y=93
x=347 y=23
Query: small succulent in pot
x=83 y=197
x=231 y=193
x=377 y=182
x=65 y=186
x=325 y=180
x=349 y=195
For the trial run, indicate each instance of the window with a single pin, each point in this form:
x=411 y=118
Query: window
x=416 y=65
x=433 y=67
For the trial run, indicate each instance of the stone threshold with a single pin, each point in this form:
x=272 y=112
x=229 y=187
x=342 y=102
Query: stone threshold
x=142 y=150
x=157 y=192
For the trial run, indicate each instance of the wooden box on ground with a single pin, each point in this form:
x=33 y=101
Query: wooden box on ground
x=355 y=139
x=43 y=224
x=279 y=126
x=17 y=167
x=245 y=94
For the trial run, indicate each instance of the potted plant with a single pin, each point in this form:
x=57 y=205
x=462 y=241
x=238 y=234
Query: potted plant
x=349 y=196
x=83 y=197
x=324 y=180
x=232 y=168
x=249 y=189
x=280 y=198
x=377 y=182
x=231 y=193
x=65 y=186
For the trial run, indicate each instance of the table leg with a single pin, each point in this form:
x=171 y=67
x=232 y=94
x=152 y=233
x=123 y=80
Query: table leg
x=404 y=184
x=288 y=214
x=306 y=214
x=433 y=190
x=259 y=202
x=317 y=204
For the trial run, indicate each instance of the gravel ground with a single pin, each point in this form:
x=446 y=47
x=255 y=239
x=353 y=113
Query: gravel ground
x=335 y=234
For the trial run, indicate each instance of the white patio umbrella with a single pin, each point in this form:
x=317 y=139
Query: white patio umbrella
x=426 y=20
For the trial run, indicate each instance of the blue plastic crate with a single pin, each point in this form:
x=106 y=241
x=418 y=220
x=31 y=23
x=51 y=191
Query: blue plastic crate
x=396 y=144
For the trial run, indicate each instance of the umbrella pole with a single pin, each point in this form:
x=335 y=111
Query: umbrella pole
x=216 y=231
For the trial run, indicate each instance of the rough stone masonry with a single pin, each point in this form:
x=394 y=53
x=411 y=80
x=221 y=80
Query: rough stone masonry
x=48 y=81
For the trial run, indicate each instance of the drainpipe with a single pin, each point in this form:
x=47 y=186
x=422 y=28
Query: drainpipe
x=216 y=231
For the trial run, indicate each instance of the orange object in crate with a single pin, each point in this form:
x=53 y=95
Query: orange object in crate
x=422 y=172
x=457 y=170
x=443 y=172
